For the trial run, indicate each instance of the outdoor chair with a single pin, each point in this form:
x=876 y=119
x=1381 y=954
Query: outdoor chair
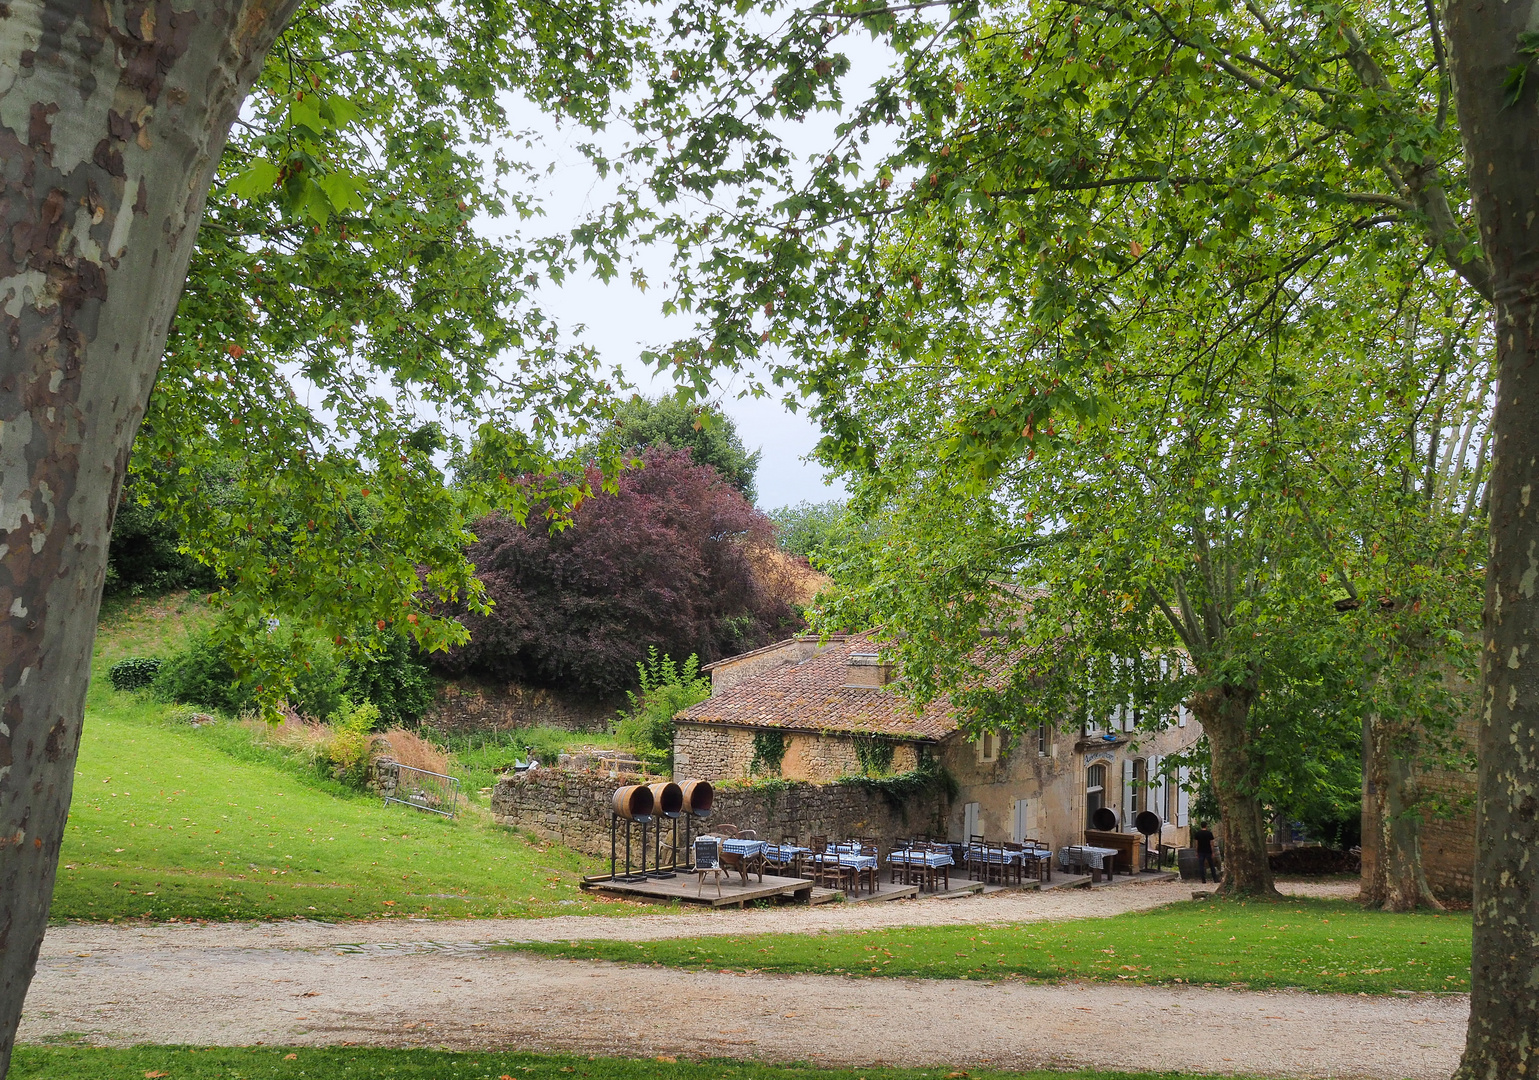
x=1015 y=865
x=930 y=873
x=874 y=872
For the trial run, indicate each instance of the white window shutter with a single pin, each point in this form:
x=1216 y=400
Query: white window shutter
x=1181 y=715
x=1127 y=792
x=1156 y=800
x=1183 y=774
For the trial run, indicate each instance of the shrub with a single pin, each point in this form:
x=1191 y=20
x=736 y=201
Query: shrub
x=201 y=675
x=665 y=563
x=394 y=680
x=350 y=751
x=133 y=673
x=666 y=688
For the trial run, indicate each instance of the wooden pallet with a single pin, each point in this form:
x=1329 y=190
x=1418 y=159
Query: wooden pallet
x=686 y=888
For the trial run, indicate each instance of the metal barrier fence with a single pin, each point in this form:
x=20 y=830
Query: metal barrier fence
x=430 y=791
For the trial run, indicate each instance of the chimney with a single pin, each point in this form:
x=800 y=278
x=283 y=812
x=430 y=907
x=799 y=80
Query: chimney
x=866 y=671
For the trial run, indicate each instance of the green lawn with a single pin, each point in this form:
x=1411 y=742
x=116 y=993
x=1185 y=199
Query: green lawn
x=170 y=821
x=1313 y=944
x=350 y=1063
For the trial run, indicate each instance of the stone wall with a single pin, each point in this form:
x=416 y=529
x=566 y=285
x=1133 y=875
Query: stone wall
x=719 y=752
x=573 y=808
x=477 y=705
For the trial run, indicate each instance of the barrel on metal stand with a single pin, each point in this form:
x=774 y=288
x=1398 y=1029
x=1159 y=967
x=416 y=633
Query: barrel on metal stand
x=634 y=803
x=668 y=805
x=698 y=797
x=667 y=799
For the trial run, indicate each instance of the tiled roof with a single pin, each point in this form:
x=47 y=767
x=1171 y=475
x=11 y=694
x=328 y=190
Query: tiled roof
x=811 y=696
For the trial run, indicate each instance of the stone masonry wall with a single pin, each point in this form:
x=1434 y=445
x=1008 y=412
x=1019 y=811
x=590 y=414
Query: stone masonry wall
x=573 y=808
x=475 y=705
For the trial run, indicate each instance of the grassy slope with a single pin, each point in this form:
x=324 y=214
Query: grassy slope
x=1318 y=945
x=169 y=821
x=351 y=1063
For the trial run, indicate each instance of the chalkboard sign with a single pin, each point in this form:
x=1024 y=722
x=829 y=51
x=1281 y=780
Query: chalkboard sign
x=707 y=854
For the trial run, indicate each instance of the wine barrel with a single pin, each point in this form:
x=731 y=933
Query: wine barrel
x=667 y=799
x=634 y=802
x=1186 y=862
x=1105 y=819
x=698 y=797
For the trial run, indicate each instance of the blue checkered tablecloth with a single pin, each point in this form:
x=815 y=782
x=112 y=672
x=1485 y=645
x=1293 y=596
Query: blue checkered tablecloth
x=1097 y=857
x=994 y=855
x=747 y=848
x=846 y=858
x=784 y=853
x=932 y=859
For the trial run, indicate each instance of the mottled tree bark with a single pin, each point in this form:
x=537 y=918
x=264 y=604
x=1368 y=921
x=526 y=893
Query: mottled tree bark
x=112 y=118
x=1502 y=148
x=1224 y=713
x=1393 y=878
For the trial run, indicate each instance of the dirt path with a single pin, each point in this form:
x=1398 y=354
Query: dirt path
x=429 y=984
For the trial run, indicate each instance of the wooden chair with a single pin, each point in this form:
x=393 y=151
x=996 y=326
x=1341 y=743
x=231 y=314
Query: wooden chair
x=1015 y=866
x=932 y=872
x=902 y=843
x=874 y=872
x=791 y=864
x=827 y=870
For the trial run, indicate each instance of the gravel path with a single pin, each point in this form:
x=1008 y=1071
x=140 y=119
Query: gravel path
x=431 y=984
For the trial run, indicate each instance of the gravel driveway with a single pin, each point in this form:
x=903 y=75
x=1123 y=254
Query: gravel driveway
x=400 y=983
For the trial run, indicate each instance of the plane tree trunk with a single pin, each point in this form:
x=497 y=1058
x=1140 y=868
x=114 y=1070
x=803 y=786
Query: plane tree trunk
x=112 y=119
x=1502 y=150
x=1393 y=876
x=1224 y=712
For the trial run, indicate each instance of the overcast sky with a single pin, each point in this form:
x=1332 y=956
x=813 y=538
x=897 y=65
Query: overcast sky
x=621 y=320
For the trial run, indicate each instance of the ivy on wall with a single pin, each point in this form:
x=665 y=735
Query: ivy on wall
x=769 y=750
x=874 y=755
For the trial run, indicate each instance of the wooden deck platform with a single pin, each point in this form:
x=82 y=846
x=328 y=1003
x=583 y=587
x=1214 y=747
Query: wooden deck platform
x=734 y=893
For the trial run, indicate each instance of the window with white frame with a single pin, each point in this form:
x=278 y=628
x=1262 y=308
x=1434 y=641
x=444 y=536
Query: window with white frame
x=1095 y=792
x=987 y=747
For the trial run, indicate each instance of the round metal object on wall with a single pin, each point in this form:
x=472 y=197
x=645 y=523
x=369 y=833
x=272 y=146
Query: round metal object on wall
x=1105 y=819
x=634 y=802
x=1147 y=822
x=698 y=797
x=667 y=799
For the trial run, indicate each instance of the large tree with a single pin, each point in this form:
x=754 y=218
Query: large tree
x=1209 y=118
x=341 y=303
x=1493 y=48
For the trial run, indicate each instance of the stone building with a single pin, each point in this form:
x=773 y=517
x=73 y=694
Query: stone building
x=818 y=711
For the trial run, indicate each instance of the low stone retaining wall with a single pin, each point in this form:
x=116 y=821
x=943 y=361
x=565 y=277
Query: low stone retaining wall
x=466 y=705
x=572 y=808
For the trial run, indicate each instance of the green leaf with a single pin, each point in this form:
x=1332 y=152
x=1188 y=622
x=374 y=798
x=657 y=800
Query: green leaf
x=343 y=191
x=1512 y=85
x=259 y=179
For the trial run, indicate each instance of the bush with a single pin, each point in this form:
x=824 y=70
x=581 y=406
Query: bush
x=201 y=675
x=666 y=688
x=665 y=562
x=394 y=680
x=350 y=751
x=133 y=673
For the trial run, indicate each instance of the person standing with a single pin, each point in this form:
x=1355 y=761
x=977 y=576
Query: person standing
x=1203 y=838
